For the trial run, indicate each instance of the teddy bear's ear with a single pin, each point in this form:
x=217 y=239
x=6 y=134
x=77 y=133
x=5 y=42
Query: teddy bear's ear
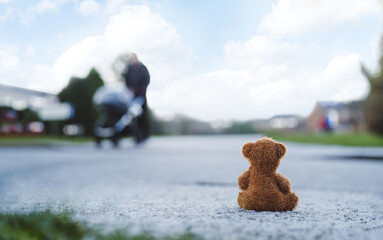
x=281 y=150
x=246 y=149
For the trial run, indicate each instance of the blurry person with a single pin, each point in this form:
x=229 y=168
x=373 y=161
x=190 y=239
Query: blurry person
x=137 y=79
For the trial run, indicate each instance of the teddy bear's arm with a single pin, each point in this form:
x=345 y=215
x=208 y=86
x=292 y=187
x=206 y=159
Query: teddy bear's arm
x=283 y=183
x=243 y=180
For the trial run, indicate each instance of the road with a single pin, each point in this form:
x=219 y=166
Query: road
x=175 y=183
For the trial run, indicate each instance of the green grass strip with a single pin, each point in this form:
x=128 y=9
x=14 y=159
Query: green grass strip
x=351 y=139
x=20 y=141
x=50 y=226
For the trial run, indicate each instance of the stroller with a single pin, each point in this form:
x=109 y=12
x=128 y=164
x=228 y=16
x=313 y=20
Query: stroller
x=119 y=112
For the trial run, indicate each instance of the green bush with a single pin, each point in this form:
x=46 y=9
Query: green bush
x=49 y=226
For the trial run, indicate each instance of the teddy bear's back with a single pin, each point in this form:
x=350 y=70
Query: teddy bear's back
x=262 y=184
x=262 y=194
x=262 y=188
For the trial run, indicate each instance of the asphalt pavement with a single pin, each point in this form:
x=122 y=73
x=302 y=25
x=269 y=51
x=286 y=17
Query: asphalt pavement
x=173 y=184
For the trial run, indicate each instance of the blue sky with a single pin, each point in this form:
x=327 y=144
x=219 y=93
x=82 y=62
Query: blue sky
x=204 y=25
x=209 y=59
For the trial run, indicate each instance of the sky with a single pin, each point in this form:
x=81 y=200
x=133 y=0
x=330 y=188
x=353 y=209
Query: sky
x=216 y=59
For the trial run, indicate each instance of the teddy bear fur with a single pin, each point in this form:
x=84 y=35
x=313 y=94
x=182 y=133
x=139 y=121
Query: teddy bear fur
x=263 y=189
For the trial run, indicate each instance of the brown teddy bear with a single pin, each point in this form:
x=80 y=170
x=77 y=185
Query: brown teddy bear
x=263 y=189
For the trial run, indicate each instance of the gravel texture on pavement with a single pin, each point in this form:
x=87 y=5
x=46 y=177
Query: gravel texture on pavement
x=173 y=184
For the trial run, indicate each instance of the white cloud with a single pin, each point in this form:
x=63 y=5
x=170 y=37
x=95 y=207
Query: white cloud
x=8 y=13
x=8 y=57
x=297 y=16
x=46 y=5
x=5 y=1
x=249 y=88
x=260 y=77
x=16 y=70
x=114 y=6
x=89 y=7
x=30 y=51
x=262 y=50
x=343 y=79
x=263 y=77
x=135 y=29
x=287 y=78
x=221 y=94
x=27 y=15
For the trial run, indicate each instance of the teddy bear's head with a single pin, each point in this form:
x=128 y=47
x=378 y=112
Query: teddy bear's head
x=265 y=154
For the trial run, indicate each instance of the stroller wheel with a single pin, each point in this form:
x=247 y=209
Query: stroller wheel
x=98 y=140
x=116 y=141
x=139 y=139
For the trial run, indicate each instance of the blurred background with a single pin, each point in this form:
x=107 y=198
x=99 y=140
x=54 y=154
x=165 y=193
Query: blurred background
x=298 y=70
x=224 y=71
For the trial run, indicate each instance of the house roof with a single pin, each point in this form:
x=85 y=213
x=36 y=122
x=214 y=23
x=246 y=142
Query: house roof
x=341 y=105
x=287 y=116
x=7 y=89
x=11 y=96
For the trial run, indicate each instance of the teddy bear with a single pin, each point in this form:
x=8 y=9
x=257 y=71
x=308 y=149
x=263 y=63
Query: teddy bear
x=263 y=189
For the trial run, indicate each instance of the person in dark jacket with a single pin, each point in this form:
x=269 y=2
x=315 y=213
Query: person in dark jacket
x=137 y=79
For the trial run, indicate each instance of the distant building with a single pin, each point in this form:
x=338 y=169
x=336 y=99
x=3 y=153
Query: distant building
x=287 y=122
x=337 y=117
x=22 y=98
x=290 y=122
x=14 y=101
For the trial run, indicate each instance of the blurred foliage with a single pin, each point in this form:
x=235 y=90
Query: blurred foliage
x=41 y=141
x=79 y=92
x=374 y=101
x=351 y=139
x=241 y=128
x=183 y=125
x=156 y=125
x=49 y=226
x=179 y=125
x=27 y=116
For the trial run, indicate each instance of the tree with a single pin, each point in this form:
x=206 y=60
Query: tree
x=79 y=92
x=374 y=101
